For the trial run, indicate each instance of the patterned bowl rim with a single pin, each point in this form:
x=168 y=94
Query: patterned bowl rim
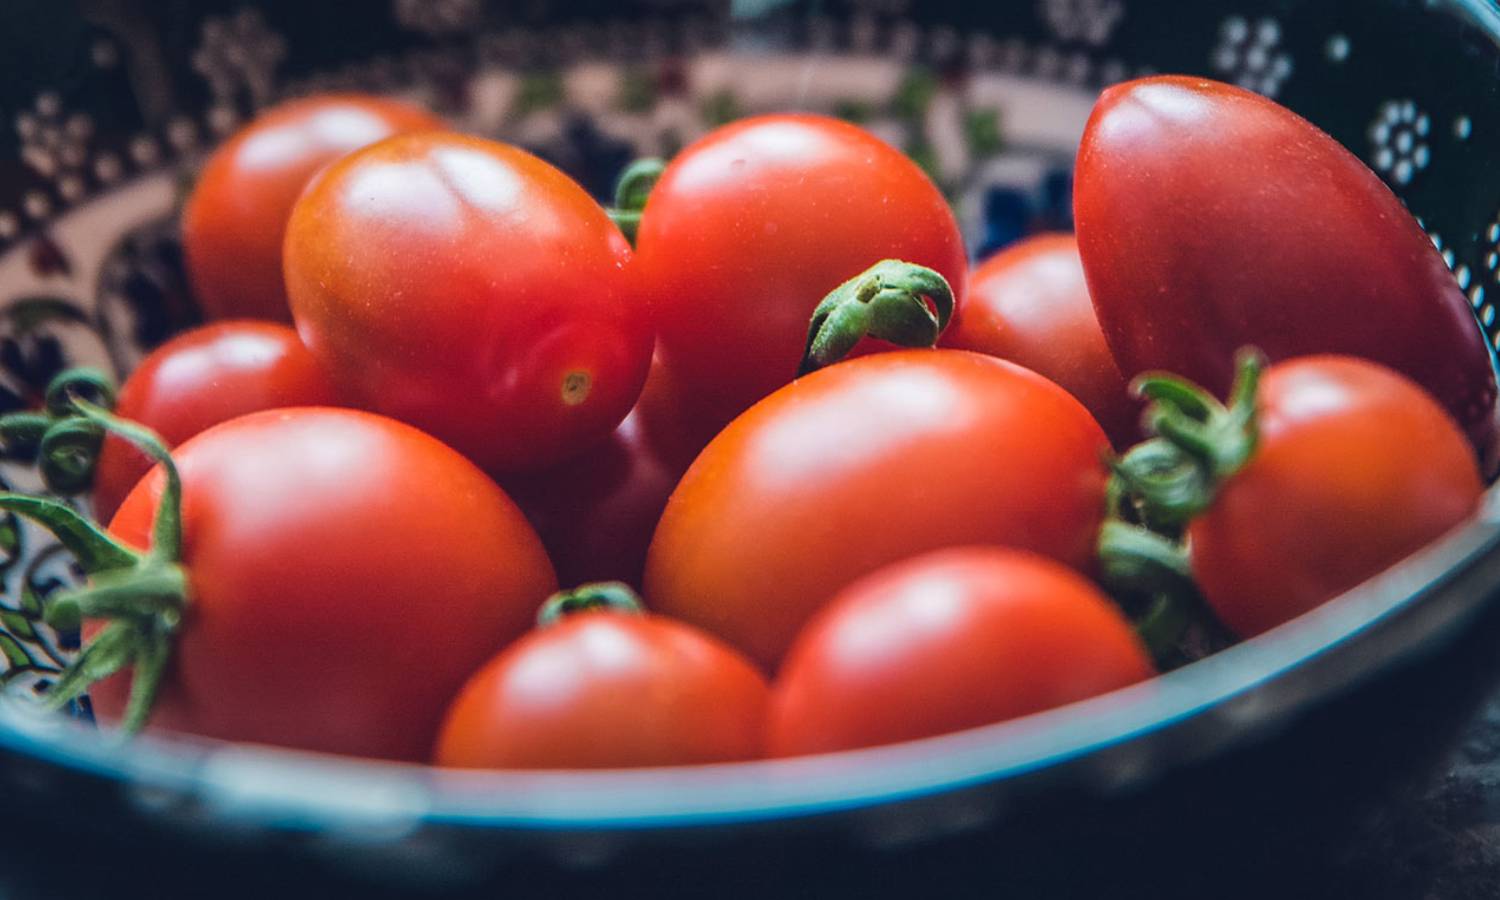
x=1444 y=585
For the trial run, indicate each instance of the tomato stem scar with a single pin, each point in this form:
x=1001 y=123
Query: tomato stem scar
x=575 y=387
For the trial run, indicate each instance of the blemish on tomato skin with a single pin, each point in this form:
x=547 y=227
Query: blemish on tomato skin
x=575 y=387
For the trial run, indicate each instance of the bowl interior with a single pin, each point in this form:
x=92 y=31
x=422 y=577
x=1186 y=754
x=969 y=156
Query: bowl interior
x=110 y=122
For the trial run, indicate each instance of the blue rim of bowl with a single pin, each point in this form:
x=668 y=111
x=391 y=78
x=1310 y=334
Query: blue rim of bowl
x=286 y=789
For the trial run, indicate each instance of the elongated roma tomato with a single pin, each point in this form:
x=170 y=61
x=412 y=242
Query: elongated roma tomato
x=1356 y=468
x=236 y=215
x=1029 y=304
x=1210 y=218
x=755 y=223
x=346 y=573
x=473 y=290
x=200 y=378
x=865 y=463
x=602 y=689
x=947 y=641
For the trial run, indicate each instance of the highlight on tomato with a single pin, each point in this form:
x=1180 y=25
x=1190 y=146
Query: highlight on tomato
x=471 y=289
x=315 y=578
x=946 y=641
x=603 y=684
x=236 y=215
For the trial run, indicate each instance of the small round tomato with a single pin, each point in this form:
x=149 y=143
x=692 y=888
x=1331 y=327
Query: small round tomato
x=865 y=463
x=1029 y=304
x=1211 y=218
x=234 y=220
x=346 y=573
x=473 y=290
x=198 y=379
x=1355 y=468
x=752 y=225
x=947 y=641
x=607 y=689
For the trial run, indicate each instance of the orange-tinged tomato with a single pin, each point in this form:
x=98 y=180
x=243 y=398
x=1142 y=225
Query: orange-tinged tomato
x=606 y=690
x=947 y=641
x=865 y=463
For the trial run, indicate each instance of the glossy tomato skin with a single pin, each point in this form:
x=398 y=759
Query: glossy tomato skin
x=606 y=690
x=753 y=224
x=1030 y=304
x=1210 y=218
x=347 y=573
x=1356 y=468
x=236 y=215
x=473 y=290
x=863 y=464
x=200 y=378
x=949 y=640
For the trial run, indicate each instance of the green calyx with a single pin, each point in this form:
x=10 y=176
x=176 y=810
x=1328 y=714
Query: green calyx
x=1159 y=486
x=142 y=597
x=608 y=596
x=900 y=302
x=631 y=191
x=64 y=443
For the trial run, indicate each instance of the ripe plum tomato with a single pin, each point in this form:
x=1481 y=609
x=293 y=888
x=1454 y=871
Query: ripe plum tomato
x=1210 y=218
x=865 y=463
x=1029 y=304
x=947 y=641
x=473 y=290
x=234 y=220
x=1356 y=467
x=346 y=574
x=752 y=225
x=607 y=689
x=200 y=378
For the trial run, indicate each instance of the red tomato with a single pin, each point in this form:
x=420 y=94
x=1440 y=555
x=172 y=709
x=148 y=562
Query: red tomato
x=1029 y=304
x=865 y=463
x=595 y=513
x=607 y=690
x=1210 y=218
x=234 y=220
x=1355 y=469
x=347 y=574
x=752 y=225
x=472 y=290
x=947 y=641
x=200 y=378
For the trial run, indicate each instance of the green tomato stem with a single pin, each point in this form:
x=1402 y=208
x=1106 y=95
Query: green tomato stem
x=142 y=596
x=900 y=302
x=631 y=191
x=610 y=596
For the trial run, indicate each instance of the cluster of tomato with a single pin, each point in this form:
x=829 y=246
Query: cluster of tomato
x=845 y=536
